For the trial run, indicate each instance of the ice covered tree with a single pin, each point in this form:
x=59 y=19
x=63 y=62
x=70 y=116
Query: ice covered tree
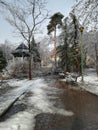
x=87 y=13
x=62 y=50
x=69 y=51
x=45 y=47
x=26 y=17
x=35 y=50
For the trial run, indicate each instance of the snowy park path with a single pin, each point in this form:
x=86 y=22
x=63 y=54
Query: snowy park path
x=38 y=102
x=47 y=104
x=10 y=97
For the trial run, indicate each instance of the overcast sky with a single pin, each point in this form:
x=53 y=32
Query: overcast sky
x=63 y=6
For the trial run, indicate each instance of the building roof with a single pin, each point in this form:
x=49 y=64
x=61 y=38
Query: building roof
x=21 y=51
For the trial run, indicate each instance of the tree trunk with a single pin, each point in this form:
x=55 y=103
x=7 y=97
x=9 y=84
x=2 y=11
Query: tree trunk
x=30 y=75
x=55 y=57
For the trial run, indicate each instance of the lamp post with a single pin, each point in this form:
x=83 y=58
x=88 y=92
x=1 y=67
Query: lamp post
x=96 y=50
x=81 y=48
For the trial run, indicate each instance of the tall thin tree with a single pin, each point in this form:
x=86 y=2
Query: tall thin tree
x=55 y=20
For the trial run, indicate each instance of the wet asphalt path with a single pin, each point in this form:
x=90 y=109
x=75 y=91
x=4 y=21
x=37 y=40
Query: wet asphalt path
x=83 y=104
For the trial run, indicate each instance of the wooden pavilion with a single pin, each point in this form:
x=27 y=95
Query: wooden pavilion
x=21 y=51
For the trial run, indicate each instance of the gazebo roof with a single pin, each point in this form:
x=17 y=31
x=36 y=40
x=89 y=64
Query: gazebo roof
x=21 y=51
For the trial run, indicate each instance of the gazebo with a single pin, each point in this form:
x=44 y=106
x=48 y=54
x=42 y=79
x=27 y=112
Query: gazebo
x=19 y=54
x=21 y=51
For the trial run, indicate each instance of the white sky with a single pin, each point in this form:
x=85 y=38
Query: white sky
x=6 y=31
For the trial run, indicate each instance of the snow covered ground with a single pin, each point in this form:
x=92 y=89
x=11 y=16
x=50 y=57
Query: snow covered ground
x=90 y=81
x=40 y=102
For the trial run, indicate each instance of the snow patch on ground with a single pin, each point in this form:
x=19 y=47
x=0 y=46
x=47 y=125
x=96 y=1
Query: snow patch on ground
x=20 y=121
x=41 y=101
x=90 y=79
x=90 y=83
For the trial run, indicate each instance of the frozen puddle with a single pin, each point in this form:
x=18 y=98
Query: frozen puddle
x=40 y=100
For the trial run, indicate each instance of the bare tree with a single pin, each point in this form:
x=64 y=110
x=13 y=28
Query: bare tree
x=26 y=16
x=87 y=13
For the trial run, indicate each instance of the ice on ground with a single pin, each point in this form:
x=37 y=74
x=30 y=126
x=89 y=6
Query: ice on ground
x=40 y=100
x=20 y=121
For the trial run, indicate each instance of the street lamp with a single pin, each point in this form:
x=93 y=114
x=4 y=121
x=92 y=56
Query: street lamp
x=81 y=48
